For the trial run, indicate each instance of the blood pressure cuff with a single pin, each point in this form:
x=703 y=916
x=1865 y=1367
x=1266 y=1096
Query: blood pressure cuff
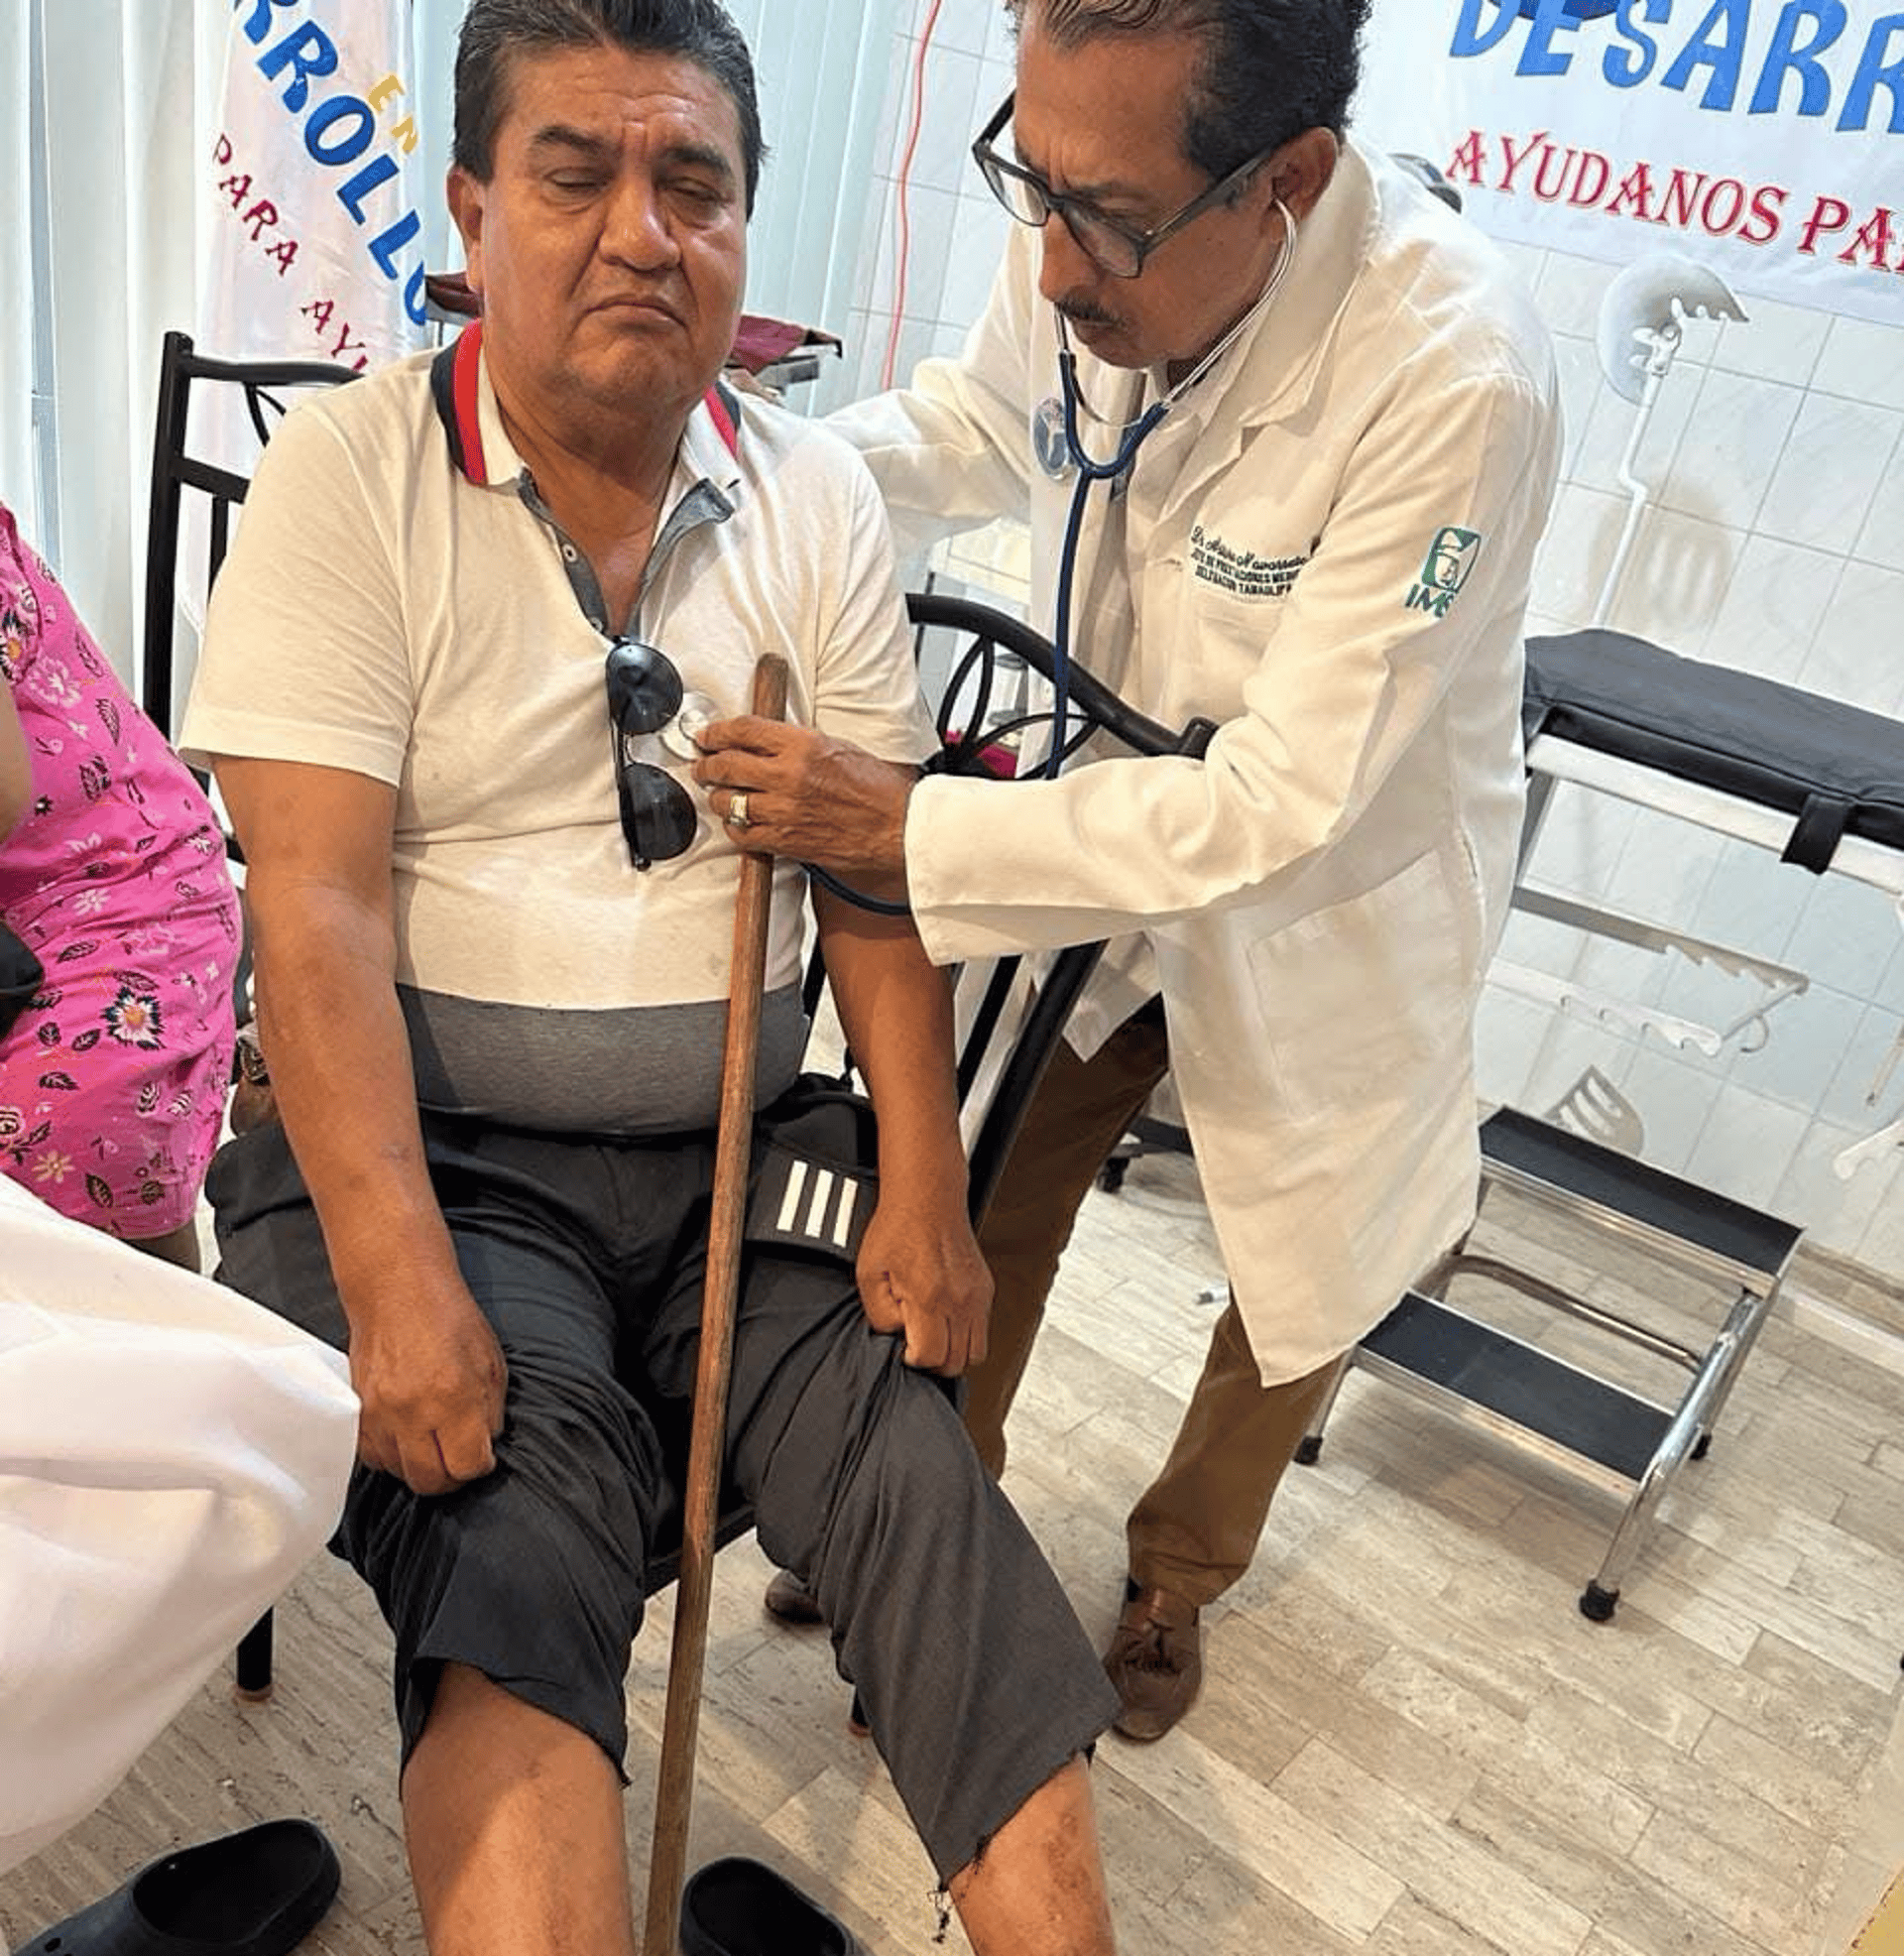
x=20 y=976
x=1837 y=769
x=815 y=1171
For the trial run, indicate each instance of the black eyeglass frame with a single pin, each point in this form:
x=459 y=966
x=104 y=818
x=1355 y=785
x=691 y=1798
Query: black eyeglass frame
x=993 y=168
x=645 y=692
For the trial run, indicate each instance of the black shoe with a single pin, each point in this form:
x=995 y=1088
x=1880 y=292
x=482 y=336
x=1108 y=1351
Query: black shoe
x=742 y=1907
x=259 y=1892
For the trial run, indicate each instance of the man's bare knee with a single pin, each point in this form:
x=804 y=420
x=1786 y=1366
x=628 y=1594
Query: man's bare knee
x=1035 y=1888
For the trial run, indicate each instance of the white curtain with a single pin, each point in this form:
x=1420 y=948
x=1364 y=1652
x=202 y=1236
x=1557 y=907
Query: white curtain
x=17 y=488
x=128 y=90
x=823 y=68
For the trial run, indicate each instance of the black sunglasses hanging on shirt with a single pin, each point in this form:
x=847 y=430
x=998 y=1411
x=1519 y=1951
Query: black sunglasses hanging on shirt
x=659 y=817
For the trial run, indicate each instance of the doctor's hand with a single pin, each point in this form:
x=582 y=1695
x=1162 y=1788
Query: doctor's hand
x=791 y=791
x=921 y=1275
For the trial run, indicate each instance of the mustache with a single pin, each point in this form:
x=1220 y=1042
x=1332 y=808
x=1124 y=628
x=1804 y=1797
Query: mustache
x=1082 y=312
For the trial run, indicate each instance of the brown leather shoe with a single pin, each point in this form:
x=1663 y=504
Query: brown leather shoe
x=789 y=1599
x=1156 y=1660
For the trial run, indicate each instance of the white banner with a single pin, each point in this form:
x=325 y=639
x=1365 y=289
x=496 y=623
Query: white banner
x=319 y=243
x=1762 y=137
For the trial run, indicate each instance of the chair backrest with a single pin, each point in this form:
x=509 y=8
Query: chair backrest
x=260 y=386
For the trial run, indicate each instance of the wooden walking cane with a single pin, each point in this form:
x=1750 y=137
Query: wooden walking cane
x=732 y=1148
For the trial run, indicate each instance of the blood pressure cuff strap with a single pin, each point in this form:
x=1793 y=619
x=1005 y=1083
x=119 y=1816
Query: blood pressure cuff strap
x=815 y=1171
x=20 y=976
x=1837 y=769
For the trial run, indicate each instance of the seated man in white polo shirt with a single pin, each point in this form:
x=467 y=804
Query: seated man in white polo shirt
x=448 y=687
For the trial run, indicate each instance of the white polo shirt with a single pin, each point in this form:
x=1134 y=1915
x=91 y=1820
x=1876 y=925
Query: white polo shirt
x=397 y=603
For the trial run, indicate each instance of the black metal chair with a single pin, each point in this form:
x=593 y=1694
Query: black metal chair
x=260 y=386
x=975 y=729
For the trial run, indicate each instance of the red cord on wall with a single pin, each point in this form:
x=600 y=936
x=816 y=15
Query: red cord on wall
x=901 y=187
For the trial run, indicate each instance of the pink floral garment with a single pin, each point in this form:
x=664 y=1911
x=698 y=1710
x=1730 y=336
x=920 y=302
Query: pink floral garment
x=112 y=1082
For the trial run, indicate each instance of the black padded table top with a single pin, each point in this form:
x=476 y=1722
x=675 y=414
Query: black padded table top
x=1837 y=769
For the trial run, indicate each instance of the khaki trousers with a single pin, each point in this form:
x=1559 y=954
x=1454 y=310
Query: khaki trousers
x=1195 y=1529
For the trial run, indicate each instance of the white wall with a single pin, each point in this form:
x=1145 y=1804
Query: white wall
x=1777 y=546
x=957 y=226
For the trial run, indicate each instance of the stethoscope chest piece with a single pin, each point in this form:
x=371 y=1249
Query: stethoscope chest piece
x=682 y=734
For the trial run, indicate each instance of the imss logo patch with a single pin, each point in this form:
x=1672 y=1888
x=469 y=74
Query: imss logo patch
x=1450 y=563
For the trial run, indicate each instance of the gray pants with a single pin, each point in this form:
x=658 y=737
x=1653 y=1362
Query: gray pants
x=587 y=1258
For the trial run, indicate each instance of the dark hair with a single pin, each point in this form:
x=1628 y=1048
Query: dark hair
x=1271 y=69
x=494 y=30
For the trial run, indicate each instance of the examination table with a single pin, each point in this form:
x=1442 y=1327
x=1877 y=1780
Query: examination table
x=1822 y=785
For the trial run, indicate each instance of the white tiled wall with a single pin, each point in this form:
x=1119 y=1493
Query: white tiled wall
x=957 y=227
x=958 y=233
x=1775 y=543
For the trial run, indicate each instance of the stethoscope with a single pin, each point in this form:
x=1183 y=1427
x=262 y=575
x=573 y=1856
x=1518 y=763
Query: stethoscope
x=1072 y=404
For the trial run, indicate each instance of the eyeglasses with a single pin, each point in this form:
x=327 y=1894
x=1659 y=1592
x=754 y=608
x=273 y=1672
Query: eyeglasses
x=1111 y=246
x=659 y=817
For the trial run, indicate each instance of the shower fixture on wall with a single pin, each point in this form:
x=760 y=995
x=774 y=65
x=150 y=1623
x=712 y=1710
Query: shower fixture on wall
x=1642 y=325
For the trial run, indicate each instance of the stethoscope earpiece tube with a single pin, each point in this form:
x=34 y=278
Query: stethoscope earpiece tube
x=1133 y=437
x=1088 y=473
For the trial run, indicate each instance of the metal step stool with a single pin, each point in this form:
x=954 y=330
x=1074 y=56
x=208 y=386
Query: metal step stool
x=1506 y=1386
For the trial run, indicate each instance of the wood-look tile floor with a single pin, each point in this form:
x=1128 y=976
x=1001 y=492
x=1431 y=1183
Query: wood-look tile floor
x=1410 y=1743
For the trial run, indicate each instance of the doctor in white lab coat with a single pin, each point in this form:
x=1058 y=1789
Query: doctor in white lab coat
x=1326 y=548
